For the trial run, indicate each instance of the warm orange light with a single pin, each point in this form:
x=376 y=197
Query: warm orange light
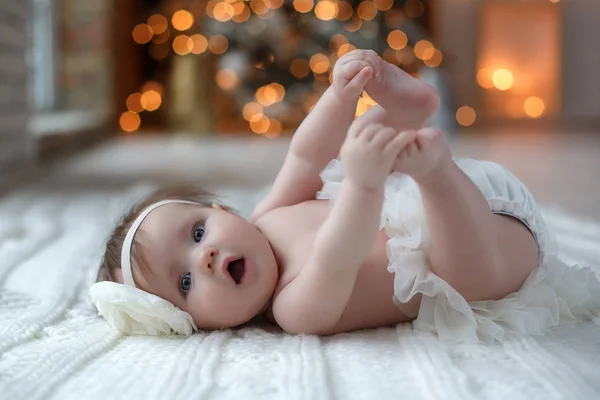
x=485 y=78
x=392 y=56
x=345 y=11
x=158 y=23
x=152 y=85
x=367 y=10
x=394 y=18
x=414 y=8
x=319 y=63
x=130 y=121
x=182 y=20
x=421 y=46
x=336 y=41
x=466 y=116
x=503 y=79
x=243 y=15
x=162 y=38
x=251 y=109
x=345 y=48
x=303 y=6
x=259 y=124
x=133 y=102
x=218 y=44
x=199 y=43
x=299 y=68
x=223 y=11
x=383 y=5
x=142 y=33
x=275 y=4
x=259 y=7
x=274 y=129
x=183 y=44
x=326 y=10
x=368 y=100
x=361 y=107
x=226 y=79
x=397 y=39
x=435 y=60
x=151 y=100
x=534 y=107
x=279 y=91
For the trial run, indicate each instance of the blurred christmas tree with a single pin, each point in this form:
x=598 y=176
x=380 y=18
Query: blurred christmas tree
x=270 y=60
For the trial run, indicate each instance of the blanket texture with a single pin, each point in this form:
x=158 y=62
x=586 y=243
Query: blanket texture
x=53 y=345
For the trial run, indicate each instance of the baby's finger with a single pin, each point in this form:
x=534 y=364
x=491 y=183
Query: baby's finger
x=360 y=80
x=370 y=132
x=401 y=142
x=384 y=137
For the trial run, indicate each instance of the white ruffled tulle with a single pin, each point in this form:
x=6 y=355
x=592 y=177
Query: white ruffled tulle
x=554 y=293
x=136 y=312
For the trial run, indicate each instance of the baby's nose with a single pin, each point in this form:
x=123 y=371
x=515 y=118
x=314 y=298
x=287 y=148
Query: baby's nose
x=207 y=260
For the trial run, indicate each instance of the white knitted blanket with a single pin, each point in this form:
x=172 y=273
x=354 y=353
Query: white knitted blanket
x=54 y=346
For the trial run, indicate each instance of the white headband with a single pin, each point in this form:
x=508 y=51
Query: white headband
x=126 y=250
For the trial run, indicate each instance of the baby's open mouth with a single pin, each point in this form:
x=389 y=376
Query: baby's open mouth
x=236 y=269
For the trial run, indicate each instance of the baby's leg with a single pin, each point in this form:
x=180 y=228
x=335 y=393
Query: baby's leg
x=484 y=256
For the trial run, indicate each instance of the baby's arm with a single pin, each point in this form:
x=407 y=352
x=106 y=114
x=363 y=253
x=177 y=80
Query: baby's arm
x=315 y=300
x=321 y=134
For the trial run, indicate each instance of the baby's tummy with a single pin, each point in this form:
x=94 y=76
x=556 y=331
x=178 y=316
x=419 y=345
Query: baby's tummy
x=371 y=304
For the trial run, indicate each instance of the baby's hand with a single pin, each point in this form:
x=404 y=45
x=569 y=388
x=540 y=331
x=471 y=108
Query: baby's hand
x=353 y=70
x=369 y=153
x=424 y=156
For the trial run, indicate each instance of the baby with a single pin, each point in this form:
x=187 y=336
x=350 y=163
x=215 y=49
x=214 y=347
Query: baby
x=457 y=246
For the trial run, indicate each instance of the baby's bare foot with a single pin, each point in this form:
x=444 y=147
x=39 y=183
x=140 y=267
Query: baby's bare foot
x=407 y=100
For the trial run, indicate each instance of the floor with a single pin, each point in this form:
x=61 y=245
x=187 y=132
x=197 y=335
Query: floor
x=561 y=170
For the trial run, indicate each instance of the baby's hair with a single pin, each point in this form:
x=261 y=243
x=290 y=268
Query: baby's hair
x=111 y=261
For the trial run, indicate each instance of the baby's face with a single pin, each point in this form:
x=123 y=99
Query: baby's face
x=209 y=262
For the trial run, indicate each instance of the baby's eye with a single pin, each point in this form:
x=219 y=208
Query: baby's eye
x=198 y=233
x=186 y=283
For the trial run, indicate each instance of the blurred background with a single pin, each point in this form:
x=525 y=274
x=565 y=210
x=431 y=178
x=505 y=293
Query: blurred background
x=137 y=88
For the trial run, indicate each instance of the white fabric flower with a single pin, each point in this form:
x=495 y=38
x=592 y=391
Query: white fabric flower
x=133 y=311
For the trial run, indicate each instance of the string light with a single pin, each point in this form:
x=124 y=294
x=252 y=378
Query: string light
x=152 y=85
x=336 y=41
x=182 y=20
x=299 y=68
x=259 y=7
x=251 y=109
x=133 y=102
x=534 y=107
x=142 y=34
x=466 y=116
x=435 y=60
x=275 y=4
x=130 y=121
x=414 y=8
x=383 y=5
x=345 y=48
x=397 y=40
x=421 y=46
x=162 y=37
x=243 y=15
x=259 y=124
x=503 y=79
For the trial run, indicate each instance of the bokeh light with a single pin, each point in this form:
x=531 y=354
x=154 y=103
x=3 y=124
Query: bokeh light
x=485 y=78
x=303 y=6
x=421 y=47
x=466 y=116
x=345 y=11
x=345 y=48
x=383 y=5
x=223 y=11
x=243 y=14
x=435 y=60
x=158 y=23
x=397 y=39
x=182 y=20
x=133 y=102
x=226 y=79
x=130 y=121
x=534 y=107
x=414 y=8
x=319 y=63
x=326 y=10
x=142 y=34
x=299 y=68
x=503 y=79
x=251 y=109
x=218 y=44
x=367 y=10
x=152 y=85
x=183 y=44
x=259 y=123
x=199 y=43
x=151 y=100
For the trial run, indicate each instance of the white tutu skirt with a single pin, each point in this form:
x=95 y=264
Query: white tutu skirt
x=554 y=292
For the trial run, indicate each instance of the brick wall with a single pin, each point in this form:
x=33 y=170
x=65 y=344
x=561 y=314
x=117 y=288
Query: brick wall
x=16 y=144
